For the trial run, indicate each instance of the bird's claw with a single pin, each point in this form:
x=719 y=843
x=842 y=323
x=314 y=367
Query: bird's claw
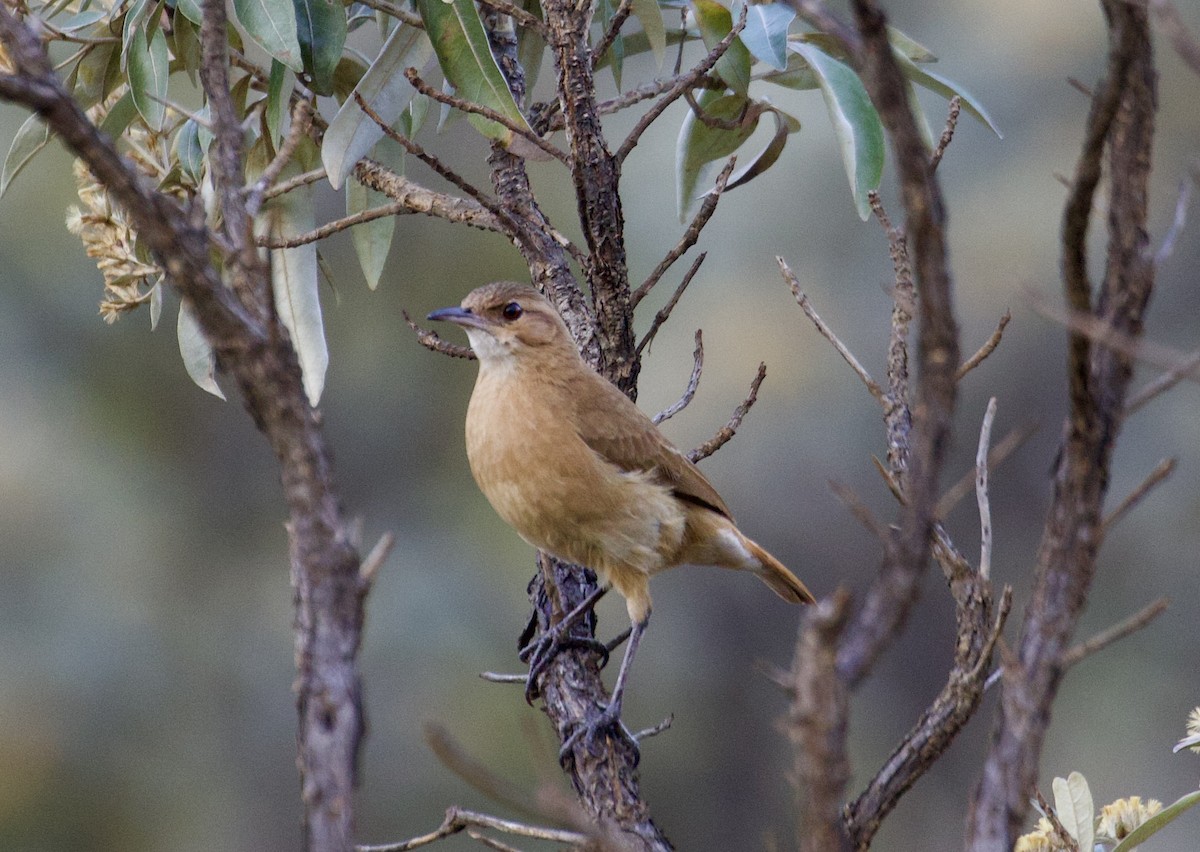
x=609 y=721
x=541 y=652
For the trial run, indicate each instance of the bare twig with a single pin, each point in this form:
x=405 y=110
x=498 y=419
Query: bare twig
x=859 y=509
x=401 y=14
x=644 y=92
x=419 y=199
x=726 y=432
x=981 y=492
x=431 y=341
x=436 y=94
x=827 y=332
x=458 y=820
x=1152 y=389
x=1007 y=445
x=500 y=677
x=690 y=236
x=1117 y=632
x=471 y=770
x=655 y=730
x=987 y=349
x=682 y=84
x=301 y=122
x=664 y=313
x=336 y=226
x=373 y=561
x=1181 y=39
x=614 y=29
x=1062 y=838
x=947 y=134
x=285 y=186
x=519 y=15
x=693 y=383
x=1161 y=471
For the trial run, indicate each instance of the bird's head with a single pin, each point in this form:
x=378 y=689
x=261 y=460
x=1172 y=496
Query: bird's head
x=506 y=321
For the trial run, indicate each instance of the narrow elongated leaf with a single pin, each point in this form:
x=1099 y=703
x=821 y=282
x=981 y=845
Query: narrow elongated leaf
x=797 y=75
x=699 y=145
x=352 y=133
x=373 y=239
x=765 y=158
x=1157 y=822
x=188 y=152
x=198 y=358
x=92 y=74
x=295 y=283
x=119 y=116
x=191 y=10
x=272 y=23
x=765 y=33
x=462 y=49
x=649 y=14
x=715 y=22
x=531 y=47
x=156 y=304
x=321 y=31
x=1075 y=808
x=279 y=87
x=149 y=69
x=947 y=89
x=31 y=137
x=855 y=122
x=909 y=46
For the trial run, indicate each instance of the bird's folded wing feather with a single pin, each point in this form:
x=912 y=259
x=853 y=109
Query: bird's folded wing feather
x=617 y=430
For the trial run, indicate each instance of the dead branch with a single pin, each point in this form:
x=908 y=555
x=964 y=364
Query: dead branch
x=430 y=340
x=692 y=385
x=396 y=208
x=614 y=29
x=1115 y=633
x=458 y=820
x=1155 y=478
x=981 y=492
x=726 y=432
x=664 y=313
x=947 y=134
x=998 y=454
x=986 y=349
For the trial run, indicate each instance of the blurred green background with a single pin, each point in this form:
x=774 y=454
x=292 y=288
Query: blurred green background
x=145 y=616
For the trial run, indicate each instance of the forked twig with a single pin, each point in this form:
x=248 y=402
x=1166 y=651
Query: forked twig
x=458 y=819
x=726 y=432
x=302 y=113
x=620 y=16
x=1003 y=449
x=664 y=313
x=693 y=383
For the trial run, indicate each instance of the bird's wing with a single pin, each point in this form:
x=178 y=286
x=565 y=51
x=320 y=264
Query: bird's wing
x=617 y=430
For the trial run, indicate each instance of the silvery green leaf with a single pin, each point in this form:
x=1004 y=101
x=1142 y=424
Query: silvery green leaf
x=198 y=357
x=31 y=138
x=1075 y=808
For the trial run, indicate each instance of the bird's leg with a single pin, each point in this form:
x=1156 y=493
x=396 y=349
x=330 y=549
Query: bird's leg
x=542 y=650
x=610 y=717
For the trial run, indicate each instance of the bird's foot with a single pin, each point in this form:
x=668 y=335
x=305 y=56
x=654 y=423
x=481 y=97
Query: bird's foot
x=607 y=722
x=541 y=652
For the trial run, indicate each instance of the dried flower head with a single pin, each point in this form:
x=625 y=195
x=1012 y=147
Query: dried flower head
x=109 y=238
x=1124 y=815
x=1192 y=740
x=1041 y=839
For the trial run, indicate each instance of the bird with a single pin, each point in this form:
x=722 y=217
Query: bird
x=580 y=472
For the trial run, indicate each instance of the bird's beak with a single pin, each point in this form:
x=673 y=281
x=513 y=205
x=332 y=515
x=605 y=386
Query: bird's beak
x=458 y=316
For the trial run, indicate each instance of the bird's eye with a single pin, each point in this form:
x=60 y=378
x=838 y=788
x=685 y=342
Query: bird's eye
x=512 y=311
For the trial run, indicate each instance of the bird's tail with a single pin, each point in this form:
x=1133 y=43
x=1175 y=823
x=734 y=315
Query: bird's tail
x=772 y=572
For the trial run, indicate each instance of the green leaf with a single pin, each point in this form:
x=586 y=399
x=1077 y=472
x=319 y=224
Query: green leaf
x=765 y=33
x=1075 y=808
x=119 y=116
x=94 y=75
x=649 y=14
x=466 y=59
x=295 y=281
x=855 y=122
x=191 y=10
x=321 y=31
x=765 y=158
x=149 y=68
x=135 y=21
x=279 y=90
x=637 y=43
x=187 y=150
x=699 y=144
x=352 y=134
x=272 y=24
x=1157 y=822
x=605 y=9
x=909 y=46
x=531 y=47
x=372 y=240
x=185 y=47
x=31 y=138
x=947 y=89
x=156 y=304
x=198 y=358
x=715 y=22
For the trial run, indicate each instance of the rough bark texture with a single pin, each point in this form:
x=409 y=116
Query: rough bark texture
x=1122 y=116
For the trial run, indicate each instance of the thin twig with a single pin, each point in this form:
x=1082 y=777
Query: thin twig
x=693 y=383
x=859 y=509
x=301 y=122
x=437 y=165
x=827 y=332
x=684 y=82
x=490 y=842
x=655 y=730
x=947 y=134
x=555 y=121
x=473 y=771
x=1062 y=838
x=1181 y=39
x=519 y=15
x=1161 y=471
x=1163 y=383
x=436 y=94
x=1117 y=632
x=620 y=16
x=368 y=569
x=981 y=491
x=664 y=313
x=500 y=677
x=1007 y=445
x=458 y=820
x=743 y=119
x=726 y=432
x=430 y=340
x=986 y=349
x=401 y=14
x=690 y=236
x=285 y=186
x=329 y=228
